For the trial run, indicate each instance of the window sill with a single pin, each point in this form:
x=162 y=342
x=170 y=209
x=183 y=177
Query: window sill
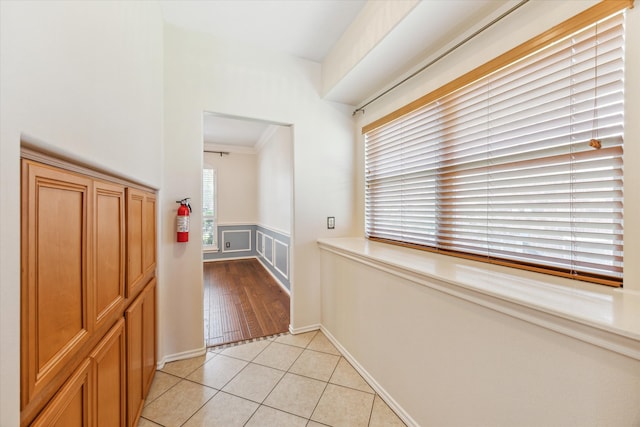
x=603 y=316
x=210 y=250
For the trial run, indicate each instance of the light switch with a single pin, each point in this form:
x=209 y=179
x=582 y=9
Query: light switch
x=331 y=222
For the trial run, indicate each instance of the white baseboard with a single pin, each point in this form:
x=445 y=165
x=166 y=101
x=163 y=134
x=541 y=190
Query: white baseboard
x=304 y=329
x=180 y=356
x=410 y=422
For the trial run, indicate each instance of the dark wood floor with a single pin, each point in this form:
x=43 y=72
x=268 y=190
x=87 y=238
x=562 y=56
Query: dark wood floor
x=242 y=301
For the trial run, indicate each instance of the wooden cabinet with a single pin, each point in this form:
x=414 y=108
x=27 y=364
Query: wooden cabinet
x=109 y=379
x=109 y=250
x=71 y=406
x=141 y=349
x=141 y=239
x=94 y=394
x=88 y=247
x=56 y=295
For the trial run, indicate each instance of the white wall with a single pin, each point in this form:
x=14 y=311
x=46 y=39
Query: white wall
x=205 y=74
x=237 y=189
x=450 y=362
x=275 y=184
x=85 y=78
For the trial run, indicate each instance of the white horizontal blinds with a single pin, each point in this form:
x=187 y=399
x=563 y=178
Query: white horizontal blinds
x=402 y=167
x=503 y=169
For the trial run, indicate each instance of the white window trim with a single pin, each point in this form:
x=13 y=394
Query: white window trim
x=213 y=248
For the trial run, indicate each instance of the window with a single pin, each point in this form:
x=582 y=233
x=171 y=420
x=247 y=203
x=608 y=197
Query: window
x=209 y=209
x=520 y=165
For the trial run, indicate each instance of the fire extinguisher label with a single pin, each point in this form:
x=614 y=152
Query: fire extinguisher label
x=183 y=224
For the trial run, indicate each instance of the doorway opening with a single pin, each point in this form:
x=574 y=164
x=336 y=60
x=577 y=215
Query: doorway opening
x=247 y=217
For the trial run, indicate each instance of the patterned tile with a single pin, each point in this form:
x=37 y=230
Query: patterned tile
x=278 y=356
x=269 y=417
x=346 y=375
x=178 y=404
x=223 y=410
x=182 y=368
x=217 y=372
x=343 y=407
x=247 y=351
x=383 y=416
x=315 y=365
x=255 y=382
x=161 y=383
x=283 y=380
x=143 y=422
x=297 y=395
x=321 y=343
x=299 y=340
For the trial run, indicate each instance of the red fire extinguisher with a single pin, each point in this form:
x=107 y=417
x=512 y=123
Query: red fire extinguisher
x=182 y=220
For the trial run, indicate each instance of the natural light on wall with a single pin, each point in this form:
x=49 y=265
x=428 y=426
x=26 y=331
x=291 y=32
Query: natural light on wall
x=521 y=167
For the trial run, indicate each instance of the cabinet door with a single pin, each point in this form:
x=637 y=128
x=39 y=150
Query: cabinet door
x=134 y=319
x=148 y=336
x=135 y=227
x=71 y=406
x=149 y=233
x=109 y=251
x=109 y=378
x=56 y=313
x=141 y=349
x=141 y=239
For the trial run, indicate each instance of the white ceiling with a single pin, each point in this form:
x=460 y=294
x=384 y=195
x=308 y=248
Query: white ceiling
x=222 y=133
x=303 y=28
x=310 y=28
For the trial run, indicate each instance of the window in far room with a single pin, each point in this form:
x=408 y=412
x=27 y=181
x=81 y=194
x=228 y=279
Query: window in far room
x=209 y=210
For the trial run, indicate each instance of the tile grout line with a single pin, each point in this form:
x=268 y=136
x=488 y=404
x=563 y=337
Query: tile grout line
x=325 y=385
x=306 y=347
x=164 y=392
x=280 y=380
x=285 y=372
x=203 y=405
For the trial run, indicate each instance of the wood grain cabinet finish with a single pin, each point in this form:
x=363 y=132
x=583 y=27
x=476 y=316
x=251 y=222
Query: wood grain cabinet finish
x=71 y=406
x=141 y=239
x=88 y=247
x=108 y=247
x=94 y=395
x=109 y=379
x=141 y=350
x=56 y=313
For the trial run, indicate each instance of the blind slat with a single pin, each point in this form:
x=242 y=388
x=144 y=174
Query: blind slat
x=503 y=167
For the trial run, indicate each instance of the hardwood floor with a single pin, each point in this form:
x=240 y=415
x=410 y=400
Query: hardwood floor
x=242 y=301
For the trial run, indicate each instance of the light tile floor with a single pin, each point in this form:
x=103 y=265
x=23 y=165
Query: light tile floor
x=288 y=380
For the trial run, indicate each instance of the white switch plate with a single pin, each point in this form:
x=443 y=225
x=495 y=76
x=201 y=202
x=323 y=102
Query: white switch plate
x=331 y=222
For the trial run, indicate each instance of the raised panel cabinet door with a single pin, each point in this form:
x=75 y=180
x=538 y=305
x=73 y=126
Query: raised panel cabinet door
x=56 y=308
x=135 y=230
x=109 y=378
x=109 y=229
x=135 y=395
x=149 y=233
x=71 y=406
x=148 y=336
